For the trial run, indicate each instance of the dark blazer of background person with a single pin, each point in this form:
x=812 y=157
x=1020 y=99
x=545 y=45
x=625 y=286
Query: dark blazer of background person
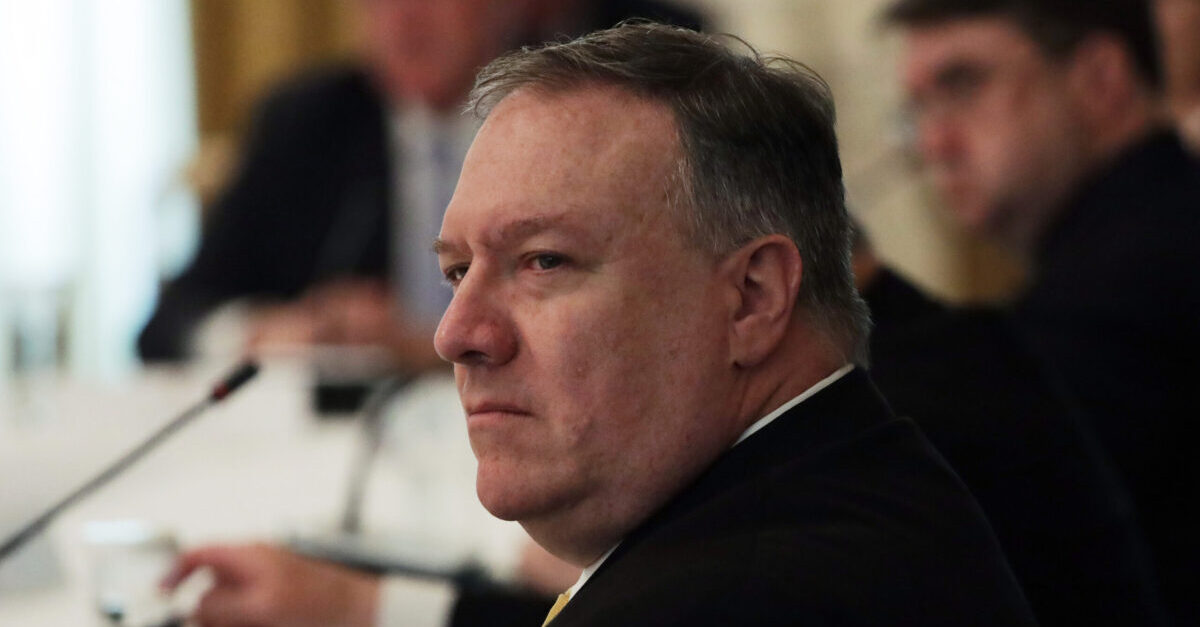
x=1061 y=515
x=311 y=200
x=1078 y=176
x=308 y=204
x=1114 y=305
x=837 y=513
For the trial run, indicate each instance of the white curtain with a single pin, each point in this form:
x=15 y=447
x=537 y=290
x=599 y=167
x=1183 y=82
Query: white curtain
x=97 y=120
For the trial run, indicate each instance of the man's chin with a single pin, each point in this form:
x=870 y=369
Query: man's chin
x=971 y=213
x=507 y=498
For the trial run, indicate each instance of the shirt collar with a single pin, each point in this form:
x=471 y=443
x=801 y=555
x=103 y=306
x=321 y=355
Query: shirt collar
x=779 y=411
x=589 y=571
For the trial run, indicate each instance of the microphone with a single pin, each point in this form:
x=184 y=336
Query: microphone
x=228 y=385
x=373 y=425
x=234 y=380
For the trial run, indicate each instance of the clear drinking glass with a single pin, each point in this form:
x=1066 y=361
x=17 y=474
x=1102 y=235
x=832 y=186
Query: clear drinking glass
x=128 y=559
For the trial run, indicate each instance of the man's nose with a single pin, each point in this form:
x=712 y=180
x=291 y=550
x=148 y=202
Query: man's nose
x=937 y=138
x=476 y=329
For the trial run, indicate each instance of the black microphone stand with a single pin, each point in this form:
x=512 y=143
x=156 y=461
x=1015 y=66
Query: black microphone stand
x=374 y=423
x=227 y=386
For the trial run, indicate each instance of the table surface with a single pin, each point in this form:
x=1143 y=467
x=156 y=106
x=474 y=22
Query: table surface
x=259 y=466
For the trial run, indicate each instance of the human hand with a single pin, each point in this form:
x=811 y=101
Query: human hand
x=350 y=311
x=266 y=586
x=282 y=325
x=363 y=312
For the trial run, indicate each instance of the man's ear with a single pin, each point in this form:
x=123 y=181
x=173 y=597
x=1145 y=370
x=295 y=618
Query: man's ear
x=764 y=279
x=1103 y=78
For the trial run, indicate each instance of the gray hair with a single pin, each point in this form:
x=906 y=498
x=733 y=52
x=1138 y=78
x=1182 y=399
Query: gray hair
x=759 y=153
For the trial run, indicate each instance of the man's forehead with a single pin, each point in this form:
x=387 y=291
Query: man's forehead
x=602 y=121
x=930 y=49
x=593 y=156
x=571 y=147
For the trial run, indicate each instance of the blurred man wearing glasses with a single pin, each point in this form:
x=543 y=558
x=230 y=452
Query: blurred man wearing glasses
x=1042 y=127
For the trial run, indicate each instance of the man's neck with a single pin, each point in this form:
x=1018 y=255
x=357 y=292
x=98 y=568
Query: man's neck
x=803 y=359
x=800 y=398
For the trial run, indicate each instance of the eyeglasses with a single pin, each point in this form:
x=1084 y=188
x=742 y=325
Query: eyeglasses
x=955 y=92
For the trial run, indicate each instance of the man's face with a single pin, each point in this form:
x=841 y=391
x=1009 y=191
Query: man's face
x=997 y=123
x=429 y=50
x=589 y=339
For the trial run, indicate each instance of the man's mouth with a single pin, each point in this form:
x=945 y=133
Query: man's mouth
x=495 y=407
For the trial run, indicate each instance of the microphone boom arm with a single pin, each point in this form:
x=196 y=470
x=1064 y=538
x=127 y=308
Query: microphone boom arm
x=242 y=374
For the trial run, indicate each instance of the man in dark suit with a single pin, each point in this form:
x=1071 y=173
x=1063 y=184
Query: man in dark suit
x=325 y=226
x=1044 y=129
x=654 y=327
x=989 y=405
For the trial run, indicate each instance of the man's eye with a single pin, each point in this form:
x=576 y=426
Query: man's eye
x=963 y=84
x=455 y=274
x=547 y=261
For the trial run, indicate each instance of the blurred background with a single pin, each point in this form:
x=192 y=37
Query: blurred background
x=121 y=121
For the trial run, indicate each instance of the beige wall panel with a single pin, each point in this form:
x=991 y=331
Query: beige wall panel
x=243 y=47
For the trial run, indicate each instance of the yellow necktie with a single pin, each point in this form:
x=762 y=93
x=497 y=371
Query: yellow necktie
x=559 y=603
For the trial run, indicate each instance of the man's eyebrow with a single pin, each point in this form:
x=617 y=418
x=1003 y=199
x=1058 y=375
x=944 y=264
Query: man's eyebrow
x=958 y=73
x=442 y=247
x=518 y=230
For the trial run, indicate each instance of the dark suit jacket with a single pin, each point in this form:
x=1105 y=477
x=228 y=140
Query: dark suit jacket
x=1114 y=306
x=837 y=513
x=309 y=203
x=1062 y=517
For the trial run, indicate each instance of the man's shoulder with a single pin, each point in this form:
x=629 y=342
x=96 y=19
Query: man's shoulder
x=322 y=121
x=831 y=531
x=1128 y=240
x=1148 y=198
x=322 y=98
x=326 y=82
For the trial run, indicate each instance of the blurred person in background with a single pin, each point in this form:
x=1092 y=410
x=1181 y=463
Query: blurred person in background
x=987 y=403
x=1179 y=23
x=324 y=230
x=1043 y=127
